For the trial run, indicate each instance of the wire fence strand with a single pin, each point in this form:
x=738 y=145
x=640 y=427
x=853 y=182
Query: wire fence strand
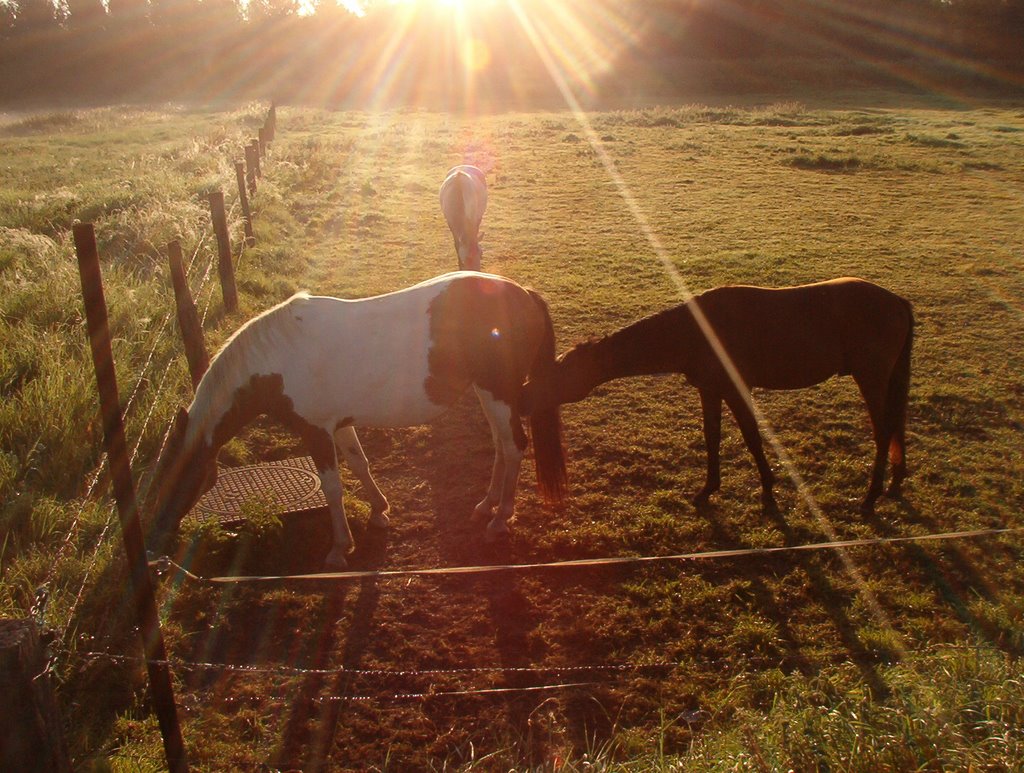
x=165 y=564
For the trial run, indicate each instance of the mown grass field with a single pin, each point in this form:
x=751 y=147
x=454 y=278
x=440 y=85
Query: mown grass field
x=895 y=657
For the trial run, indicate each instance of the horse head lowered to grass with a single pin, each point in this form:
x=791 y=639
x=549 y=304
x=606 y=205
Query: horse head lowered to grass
x=323 y=366
x=463 y=197
x=786 y=338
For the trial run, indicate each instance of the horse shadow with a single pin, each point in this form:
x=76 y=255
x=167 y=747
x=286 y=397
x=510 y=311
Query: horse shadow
x=831 y=600
x=307 y=741
x=454 y=462
x=301 y=633
x=954 y=576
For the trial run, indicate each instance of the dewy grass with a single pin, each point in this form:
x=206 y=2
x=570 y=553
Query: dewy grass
x=776 y=663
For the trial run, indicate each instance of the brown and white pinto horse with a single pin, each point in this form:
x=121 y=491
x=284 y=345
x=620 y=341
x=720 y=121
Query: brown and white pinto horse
x=786 y=338
x=463 y=202
x=322 y=366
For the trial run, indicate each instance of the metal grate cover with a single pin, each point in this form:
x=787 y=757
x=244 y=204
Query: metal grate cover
x=293 y=484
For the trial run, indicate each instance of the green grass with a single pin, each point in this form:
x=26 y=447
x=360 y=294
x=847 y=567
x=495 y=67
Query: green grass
x=764 y=664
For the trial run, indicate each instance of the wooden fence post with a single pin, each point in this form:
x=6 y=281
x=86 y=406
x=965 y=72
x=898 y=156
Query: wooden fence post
x=243 y=199
x=31 y=732
x=262 y=140
x=188 y=318
x=255 y=145
x=271 y=122
x=124 y=494
x=251 y=162
x=224 y=268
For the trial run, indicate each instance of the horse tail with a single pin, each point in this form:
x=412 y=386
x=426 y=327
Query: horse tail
x=897 y=397
x=546 y=424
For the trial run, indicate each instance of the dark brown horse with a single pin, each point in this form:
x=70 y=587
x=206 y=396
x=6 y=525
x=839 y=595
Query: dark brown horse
x=786 y=338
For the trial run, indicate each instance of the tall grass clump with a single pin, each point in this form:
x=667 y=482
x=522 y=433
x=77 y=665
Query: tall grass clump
x=141 y=177
x=951 y=708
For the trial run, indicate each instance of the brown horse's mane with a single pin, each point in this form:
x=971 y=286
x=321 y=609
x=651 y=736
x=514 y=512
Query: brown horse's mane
x=607 y=339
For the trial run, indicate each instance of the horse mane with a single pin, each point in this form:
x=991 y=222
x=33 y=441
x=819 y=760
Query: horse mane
x=609 y=339
x=269 y=333
x=585 y=345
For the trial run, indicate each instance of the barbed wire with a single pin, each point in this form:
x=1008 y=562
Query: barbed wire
x=42 y=596
x=157 y=394
x=618 y=673
x=97 y=471
x=194 y=666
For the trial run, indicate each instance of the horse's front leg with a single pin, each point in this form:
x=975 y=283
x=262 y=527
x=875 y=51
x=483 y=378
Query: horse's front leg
x=509 y=446
x=741 y=410
x=711 y=407
x=485 y=507
x=347 y=441
x=321 y=448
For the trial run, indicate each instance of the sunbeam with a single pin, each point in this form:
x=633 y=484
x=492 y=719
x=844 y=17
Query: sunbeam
x=543 y=49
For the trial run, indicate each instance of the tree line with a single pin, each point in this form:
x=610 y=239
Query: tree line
x=91 y=49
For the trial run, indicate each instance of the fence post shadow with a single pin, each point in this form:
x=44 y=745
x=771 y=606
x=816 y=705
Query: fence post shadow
x=315 y=731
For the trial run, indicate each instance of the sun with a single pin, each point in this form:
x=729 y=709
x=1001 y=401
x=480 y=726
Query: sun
x=468 y=55
x=455 y=6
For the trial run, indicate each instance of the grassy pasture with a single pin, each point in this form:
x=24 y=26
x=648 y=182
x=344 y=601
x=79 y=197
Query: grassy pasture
x=794 y=661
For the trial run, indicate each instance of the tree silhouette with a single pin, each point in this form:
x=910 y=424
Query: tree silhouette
x=216 y=48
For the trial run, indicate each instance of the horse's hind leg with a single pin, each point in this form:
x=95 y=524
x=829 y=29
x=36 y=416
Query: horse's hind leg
x=485 y=507
x=347 y=441
x=739 y=405
x=321 y=448
x=509 y=445
x=898 y=457
x=873 y=391
x=711 y=406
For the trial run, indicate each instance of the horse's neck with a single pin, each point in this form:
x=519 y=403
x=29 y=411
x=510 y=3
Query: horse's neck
x=657 y=344
x=244 y=379
x=220 y=412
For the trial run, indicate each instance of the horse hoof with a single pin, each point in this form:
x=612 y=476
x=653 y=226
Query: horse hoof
x=867 y=507
x=894 y=492
x=379 y=520
x=482 y=512
x=496 y=534
x=702 y=498
x=336 y=561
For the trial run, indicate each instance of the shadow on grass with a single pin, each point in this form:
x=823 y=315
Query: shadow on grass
x=832 y=601
x=956 y=578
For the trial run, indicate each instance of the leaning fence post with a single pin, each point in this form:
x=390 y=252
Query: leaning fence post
x=124 y=495
x=188 y=318
x=243 y=199
x=224 y=268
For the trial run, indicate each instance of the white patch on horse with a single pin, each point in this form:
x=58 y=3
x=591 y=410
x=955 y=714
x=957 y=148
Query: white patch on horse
x=322 y=365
